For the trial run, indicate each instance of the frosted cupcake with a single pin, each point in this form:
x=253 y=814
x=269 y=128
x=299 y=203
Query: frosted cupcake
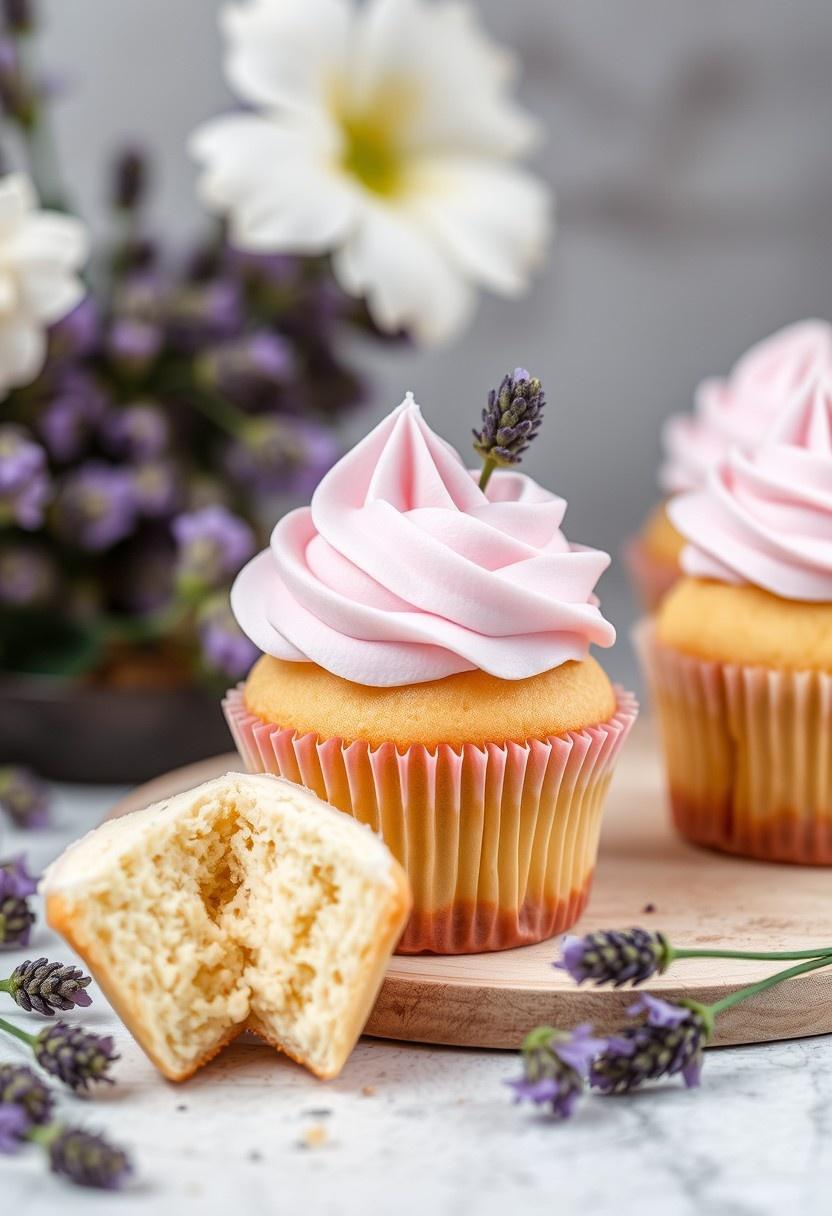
x=734 y=412
x=740 y=655
x=426 y=669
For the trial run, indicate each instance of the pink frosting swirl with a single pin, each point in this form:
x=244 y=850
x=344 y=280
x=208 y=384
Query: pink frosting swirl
x=766 y=517
x=402 y=570
x=740 y=409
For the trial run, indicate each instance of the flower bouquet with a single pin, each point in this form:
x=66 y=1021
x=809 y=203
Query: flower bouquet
x=150 y=409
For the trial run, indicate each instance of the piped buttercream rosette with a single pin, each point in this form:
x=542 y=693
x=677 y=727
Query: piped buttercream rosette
x=766 y=517
x=402 y=570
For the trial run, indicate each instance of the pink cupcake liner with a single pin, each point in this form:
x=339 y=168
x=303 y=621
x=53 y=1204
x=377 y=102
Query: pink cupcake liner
x=651 y=580
x=748 y=753
x=499 y=842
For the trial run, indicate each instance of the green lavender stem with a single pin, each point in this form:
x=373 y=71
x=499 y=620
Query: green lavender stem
x=488 y=468
x=11 y=1029
x=770 y=955
x=743 y=994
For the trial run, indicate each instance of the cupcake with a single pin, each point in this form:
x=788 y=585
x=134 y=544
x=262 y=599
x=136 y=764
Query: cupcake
x=426 y=669
x=740 y=652
x=736 y=411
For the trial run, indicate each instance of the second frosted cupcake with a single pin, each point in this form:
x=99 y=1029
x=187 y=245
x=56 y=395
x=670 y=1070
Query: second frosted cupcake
x=426 y=670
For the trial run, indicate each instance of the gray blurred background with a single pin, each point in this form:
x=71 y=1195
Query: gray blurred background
x=689 y=145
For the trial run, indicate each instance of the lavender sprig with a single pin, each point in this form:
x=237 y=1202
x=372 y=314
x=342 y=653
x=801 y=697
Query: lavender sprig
x=84 y=1157
x=73 y=1055
x=16 y=916
x=556 y=1064
x=24 y=797
x=669 y=1041
x=510 y=422
x=42 y=987
x=20 y=1086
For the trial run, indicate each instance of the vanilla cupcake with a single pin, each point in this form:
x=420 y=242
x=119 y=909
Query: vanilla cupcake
x=426 y=669
x=734 y=412
x=740 y=654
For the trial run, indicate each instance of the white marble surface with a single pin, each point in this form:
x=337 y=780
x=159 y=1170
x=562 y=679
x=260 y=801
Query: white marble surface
x=417 y=1130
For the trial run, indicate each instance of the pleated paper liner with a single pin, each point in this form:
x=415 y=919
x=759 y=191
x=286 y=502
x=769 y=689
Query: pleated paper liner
x=651 y=579
x=499 y=842
x=748 y=752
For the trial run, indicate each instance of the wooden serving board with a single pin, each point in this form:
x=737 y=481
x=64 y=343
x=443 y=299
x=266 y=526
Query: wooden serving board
x=699 y=899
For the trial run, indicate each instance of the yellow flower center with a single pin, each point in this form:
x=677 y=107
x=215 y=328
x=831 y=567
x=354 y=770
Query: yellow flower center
x=370 y=153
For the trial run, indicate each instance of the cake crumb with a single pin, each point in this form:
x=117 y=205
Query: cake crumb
x=649 y=908
x=315 y=1136
x=368 y=1091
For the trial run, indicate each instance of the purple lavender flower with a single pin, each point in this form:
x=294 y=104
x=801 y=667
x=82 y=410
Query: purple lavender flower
x=204 y=312
x=282 y=455
x=136 y=432
x=258 y=361
x=88 y=1159
x=24 y=797
x=24 y=480
x=16 y=918
x=669 y=1041
x=511 y=420
x=15 y=878
x=556 y=1064
x=96 y=506
x=14 y=1124
x=224 y=645
x=78 y=333
x=74 y=1056
x=40 y=986
x=133 y=344
x=616 y=957
x=156 y=488
x=19 y=1086
x=28 y=575
x=213 y=544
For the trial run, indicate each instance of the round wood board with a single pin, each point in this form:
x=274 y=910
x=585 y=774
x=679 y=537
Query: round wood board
x=698 y=898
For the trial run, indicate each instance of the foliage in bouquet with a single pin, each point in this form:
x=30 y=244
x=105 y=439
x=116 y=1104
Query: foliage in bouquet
x=168 y=405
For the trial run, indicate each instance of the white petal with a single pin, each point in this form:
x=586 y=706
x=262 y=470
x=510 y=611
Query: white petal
x=49 y=294
x=447 y=78
x=407 y=281
x=47 y=237
x=22 y=353
x=278 y=183
x=286 y=53
x=493 y=221
x=17 y=197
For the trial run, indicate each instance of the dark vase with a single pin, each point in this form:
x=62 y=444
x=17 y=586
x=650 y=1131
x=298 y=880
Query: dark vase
x=71 y=731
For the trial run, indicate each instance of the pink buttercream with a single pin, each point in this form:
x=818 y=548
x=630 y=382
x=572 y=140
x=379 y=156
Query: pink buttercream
x=403 y=570
x=740 y=409
x=766 y=517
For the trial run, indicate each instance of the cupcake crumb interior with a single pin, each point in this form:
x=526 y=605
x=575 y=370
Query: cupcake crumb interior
x=231 y=912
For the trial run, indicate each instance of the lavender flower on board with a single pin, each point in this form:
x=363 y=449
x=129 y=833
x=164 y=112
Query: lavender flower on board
x=20 y=1086
x=616 y=957
x=40 y=986
x=75 y=1056
x=87 y=1159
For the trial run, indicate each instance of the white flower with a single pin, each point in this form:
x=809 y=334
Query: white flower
x=40 y=255
x=383 y=133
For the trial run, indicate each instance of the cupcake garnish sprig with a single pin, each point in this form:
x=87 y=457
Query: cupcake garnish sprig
x=510 y=422
x=664 y=1039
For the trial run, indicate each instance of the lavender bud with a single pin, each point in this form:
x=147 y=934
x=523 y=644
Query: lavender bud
x=616 y=957
x=87 y=1159
x=511 y=419
x=137 y=432
x=96 y=506
x=14 y=1124
x=16 y=920
x=19 y=16
x=74 y=1056
x=15 y=878
x=134 y=344
x=23 y=796
x=282 y=456
x=213 y=544
x=129 y=179
x=224 y=645
x=24 y=481
x=555 y=1066
x=19 y=1086
x=43 y=987
x=669 y=1041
